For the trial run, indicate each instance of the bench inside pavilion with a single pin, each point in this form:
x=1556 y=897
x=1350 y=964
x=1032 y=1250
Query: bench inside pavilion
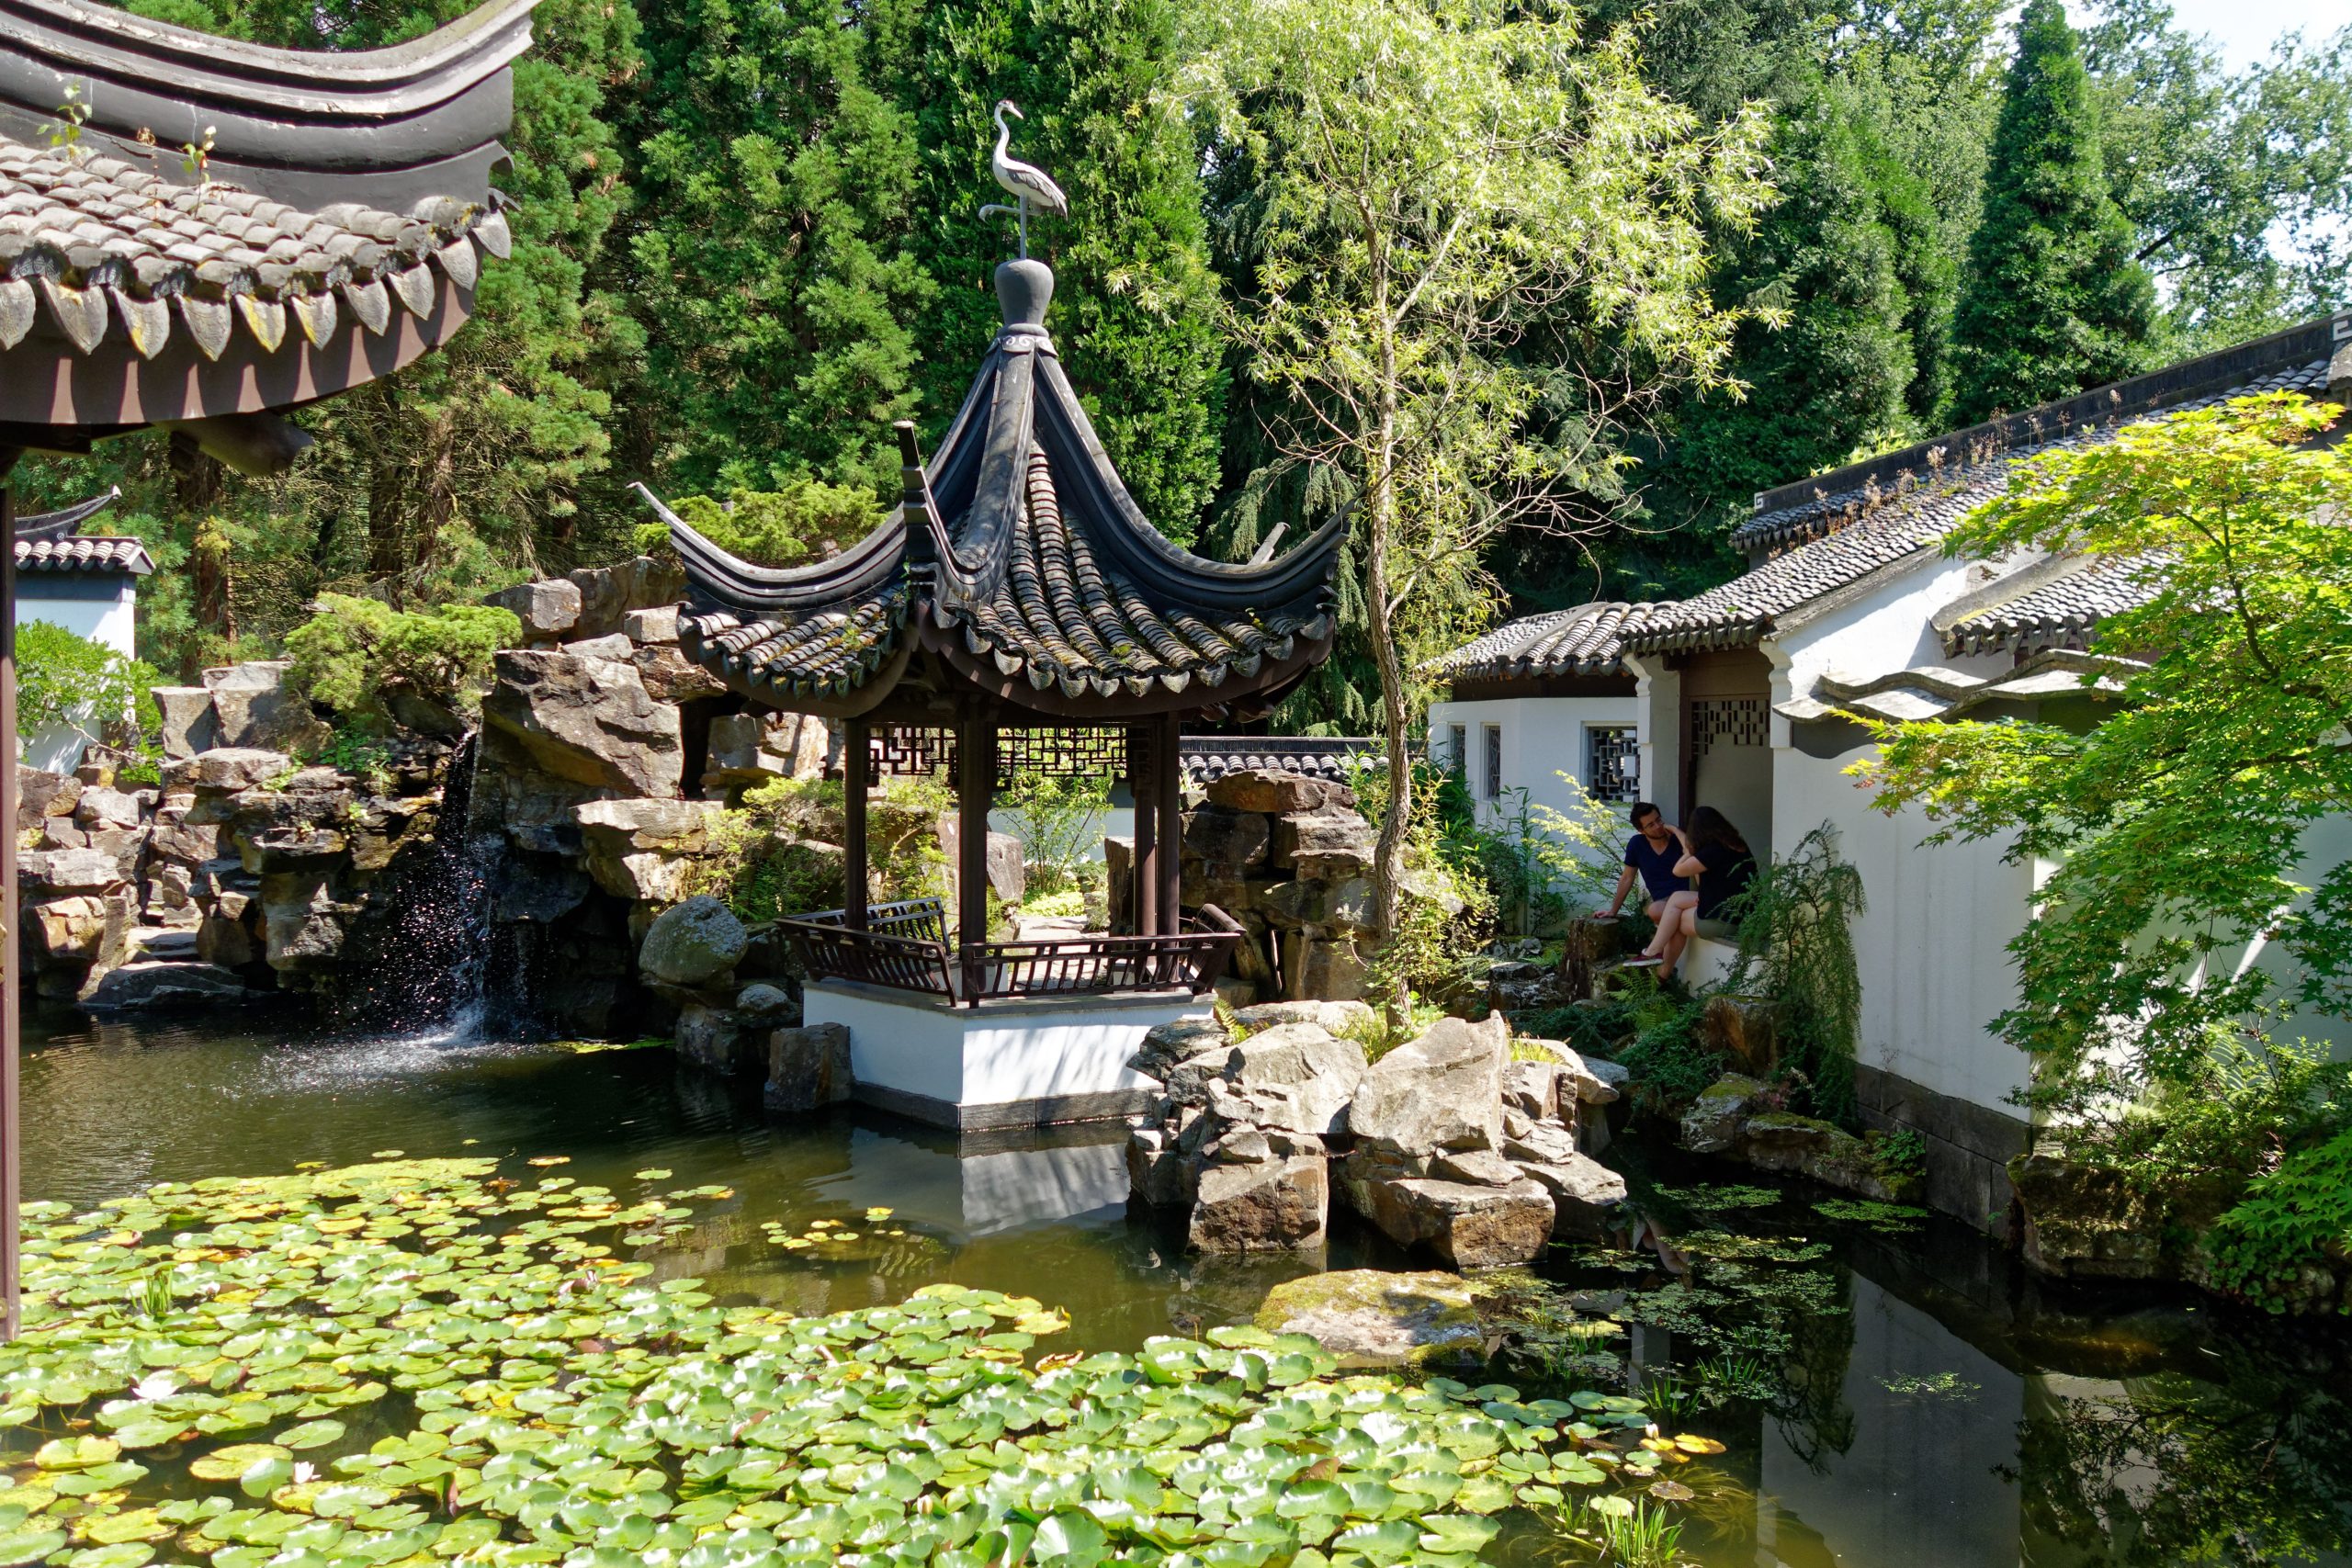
x=1015 y=611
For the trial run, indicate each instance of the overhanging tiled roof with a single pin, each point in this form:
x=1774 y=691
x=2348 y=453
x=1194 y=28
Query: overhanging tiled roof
x=2059 y=612
x=1842 y=536
x=1932 y=692
x=1019 y=567
x=1586 y=640
x=92 y=246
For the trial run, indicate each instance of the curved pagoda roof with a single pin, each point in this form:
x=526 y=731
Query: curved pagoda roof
x=1018 y=570
x=331 y=231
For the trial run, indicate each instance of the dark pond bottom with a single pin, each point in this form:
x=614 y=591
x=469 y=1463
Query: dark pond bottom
x=1890 y=1392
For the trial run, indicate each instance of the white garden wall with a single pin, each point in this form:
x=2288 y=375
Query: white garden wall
x=99 y=608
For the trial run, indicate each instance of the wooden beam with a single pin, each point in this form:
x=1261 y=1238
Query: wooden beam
x=975 y=784
x=1168 y=783
x=12 y=947
x=1143 y=749
x=857 y=782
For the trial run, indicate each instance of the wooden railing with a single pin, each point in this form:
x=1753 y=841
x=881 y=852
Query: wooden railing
x=904 y=948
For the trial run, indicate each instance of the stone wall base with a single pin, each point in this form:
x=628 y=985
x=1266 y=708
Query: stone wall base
x=1969 y=1146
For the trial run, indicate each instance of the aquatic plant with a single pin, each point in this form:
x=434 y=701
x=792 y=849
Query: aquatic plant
x=418 y=1360
x=1894 y=1219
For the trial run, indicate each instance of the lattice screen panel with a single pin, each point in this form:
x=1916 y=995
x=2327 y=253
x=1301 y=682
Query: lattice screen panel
x=1727 y=721
x=907 y=750
x=1612 y=761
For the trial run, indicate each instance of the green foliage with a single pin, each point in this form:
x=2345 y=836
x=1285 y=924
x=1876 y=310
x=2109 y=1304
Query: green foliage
x=2175 y=810
x=1539 y=862
x=800 y=521
x=1796 y=947
x=69 y=681
x=2054 y=300
x=353 y=750
x=254 y=1349
x=1057 y=818
x=357 y=657
x=1670 y=1065
x=1435 y=955
x=2297 y=1216
x=778 y=854
x=770 y=252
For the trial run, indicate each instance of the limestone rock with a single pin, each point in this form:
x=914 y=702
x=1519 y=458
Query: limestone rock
x=607 y=593
x=615 y=646
x=1743 y=1030
x=657 y=625
x=546 y=609
x=1157 y=1175
x=254 y=707
x=1588 y=1198
x=1168 y=1043
x=1008 y=874
x=68 y=928
x=1346 y=1017
x=588 y=721
x=1711 y=1124
x=1533 y=1089
x=227 y=770
x=1269 y=792
x=72 y=871
x=1304 y=1065
x=1777 y=1140
x=1373 y=1320
x=1325 y=837
x=1592 y=1080
x=671 y=677
x=1226 y=843
x=162 y=984
x=714 y=1039
x=41 y=795
x=807 y=1067
x=692 y=943
x=1271 y=1205
x=1539 y=1143
x=190 y=724
x=2085 y=1222
x=751 y=747
x=636 y=849
x=1441 y=1091
x=1479 y=1168
x=184 y=842
x=769 y=1006
x=1469 y=1226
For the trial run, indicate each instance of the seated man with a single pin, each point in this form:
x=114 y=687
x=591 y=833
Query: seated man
x=1725 y=868
x=1651 y=852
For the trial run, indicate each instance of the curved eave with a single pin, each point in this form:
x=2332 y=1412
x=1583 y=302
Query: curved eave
x=1237 y=696
x=66 y=521
x=717 y=577
x=845 y=694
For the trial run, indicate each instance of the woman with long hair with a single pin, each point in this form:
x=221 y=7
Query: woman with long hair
x=1721 y=865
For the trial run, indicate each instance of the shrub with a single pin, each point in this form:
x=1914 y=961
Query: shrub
x=805 y=520
x=1437 y=956
x=774 y=855
x=1796 y=946
x=1056 y=818
x=2299 y=1213
x=356 y=655
x=99 y=694
x=1540 y=862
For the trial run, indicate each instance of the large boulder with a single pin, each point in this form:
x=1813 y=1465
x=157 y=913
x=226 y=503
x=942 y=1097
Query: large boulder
x=644 y=850
x=692 y=943
x=162 y=984
x=1008 y=873
x=547 y=610
x=254 y=707
x=1272 y=793
x=753 y=748
x=807 y=1067
x=1274 y=1205
x=227 y=770
x=1166 y=1044
x=1373 y=1320
x=1471 y=1224
x=1355 y=1019
x=608 y=593
x=1588 y=1198
x=41 y=795
x=588 y=721
x=1324 y=844
x=1226 y=844
x=189 y=723
x=671 y=677
x=1298 y=1076
x=1711 y=1124
x=1779 y=1140
x=1441 y=1090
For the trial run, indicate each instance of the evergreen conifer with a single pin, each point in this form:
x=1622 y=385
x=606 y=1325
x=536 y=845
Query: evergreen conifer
x=2053 y=301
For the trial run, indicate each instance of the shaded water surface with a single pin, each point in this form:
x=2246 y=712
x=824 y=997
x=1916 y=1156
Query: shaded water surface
x=1889 y=1394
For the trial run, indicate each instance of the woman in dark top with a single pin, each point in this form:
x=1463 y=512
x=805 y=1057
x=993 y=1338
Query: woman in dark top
x=1722 y=864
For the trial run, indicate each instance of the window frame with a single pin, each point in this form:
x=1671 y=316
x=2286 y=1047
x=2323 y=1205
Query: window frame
x=1491 y=747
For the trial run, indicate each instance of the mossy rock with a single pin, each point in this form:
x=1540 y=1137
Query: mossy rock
x=1371 y=1318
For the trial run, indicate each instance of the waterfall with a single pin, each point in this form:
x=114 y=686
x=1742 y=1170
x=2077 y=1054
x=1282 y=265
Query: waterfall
x=420 y=965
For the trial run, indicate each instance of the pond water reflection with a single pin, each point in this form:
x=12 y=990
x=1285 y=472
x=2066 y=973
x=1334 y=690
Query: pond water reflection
x=1888 y=1392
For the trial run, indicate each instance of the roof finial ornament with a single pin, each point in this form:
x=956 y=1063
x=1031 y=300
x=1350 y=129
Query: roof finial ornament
x=1025 y=182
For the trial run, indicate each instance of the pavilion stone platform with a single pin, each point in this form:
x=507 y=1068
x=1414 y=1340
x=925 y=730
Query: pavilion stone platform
x=1015 y=614
x=1013 y=1062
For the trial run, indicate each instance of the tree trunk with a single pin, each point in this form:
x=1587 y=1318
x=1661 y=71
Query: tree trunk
x=1380 y=485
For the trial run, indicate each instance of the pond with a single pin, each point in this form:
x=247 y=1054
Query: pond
x=1889 y=1389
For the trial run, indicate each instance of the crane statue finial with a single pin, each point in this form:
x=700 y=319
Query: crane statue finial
x=1025 y=182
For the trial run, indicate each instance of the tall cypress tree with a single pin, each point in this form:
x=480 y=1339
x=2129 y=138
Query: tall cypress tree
x=770 y=252
x=1831 y=376
x=1134 y=312
x=2053 y=302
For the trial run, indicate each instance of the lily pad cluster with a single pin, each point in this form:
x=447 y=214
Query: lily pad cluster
x=418 y=1362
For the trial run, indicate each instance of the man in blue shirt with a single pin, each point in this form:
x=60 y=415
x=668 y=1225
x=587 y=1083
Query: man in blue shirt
x=1651 y=852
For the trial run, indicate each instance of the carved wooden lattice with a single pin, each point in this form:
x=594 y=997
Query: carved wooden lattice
x=1612 y=761
x=1727 y=721
x=910 y=749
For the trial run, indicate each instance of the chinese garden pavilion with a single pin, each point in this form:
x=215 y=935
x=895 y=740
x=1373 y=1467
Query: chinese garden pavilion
x=201 y=234
x=1016 y=610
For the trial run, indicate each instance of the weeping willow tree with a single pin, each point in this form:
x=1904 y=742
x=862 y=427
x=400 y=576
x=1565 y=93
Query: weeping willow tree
x=1796 y=946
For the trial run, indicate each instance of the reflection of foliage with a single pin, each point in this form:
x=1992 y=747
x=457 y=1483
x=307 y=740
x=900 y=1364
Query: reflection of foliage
x=1796 y=946
x=2169 y=1469
x=341 y=1315
x=1727 y=1197
x=1937 y=1385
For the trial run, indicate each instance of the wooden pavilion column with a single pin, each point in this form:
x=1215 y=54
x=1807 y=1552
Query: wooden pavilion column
x=1143 y=900
x=12 y=947
x=975 y=783
x=1168 y=784
x=857 y=783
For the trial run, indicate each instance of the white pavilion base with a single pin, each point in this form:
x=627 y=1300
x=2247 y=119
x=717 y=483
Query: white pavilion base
x=1023 y=1063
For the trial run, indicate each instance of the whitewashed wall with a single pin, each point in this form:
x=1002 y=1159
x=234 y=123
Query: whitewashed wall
x=103 y=610
x=1542 y=738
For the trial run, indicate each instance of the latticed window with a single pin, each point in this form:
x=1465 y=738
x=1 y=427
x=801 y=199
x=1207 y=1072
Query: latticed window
x=1612 y=761
x=1457 y=755
x=1494 y=739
